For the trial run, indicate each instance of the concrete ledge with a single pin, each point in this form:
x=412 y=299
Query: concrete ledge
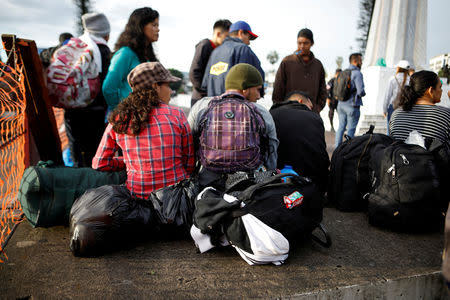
x=423 y=286
x=378 y=263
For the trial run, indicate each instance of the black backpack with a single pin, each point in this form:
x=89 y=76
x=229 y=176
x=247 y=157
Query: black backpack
x=342 y=85
x=409 y=187
x=292 y=209
x=350 y=177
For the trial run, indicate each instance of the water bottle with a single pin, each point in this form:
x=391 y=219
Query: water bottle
x=287 y=169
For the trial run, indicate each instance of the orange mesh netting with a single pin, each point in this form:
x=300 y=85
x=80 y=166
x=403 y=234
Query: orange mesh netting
x=59 y=117
x=12 y=148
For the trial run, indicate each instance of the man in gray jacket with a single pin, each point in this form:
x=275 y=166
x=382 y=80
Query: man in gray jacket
x=234 y=50
x=243 y=81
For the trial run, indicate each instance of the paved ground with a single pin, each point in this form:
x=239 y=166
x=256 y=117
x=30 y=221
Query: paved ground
x=41 y=266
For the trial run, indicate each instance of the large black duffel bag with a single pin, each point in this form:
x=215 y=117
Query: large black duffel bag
x=349 y=170
x=261 y=222
x=47 y=191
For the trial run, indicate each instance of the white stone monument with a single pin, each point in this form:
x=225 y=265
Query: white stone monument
x=398 y=30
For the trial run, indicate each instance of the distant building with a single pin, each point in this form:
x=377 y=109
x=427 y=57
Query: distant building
x=438 y=62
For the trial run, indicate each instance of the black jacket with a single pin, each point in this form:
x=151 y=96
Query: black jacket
x=202 y=53
x=302 y=141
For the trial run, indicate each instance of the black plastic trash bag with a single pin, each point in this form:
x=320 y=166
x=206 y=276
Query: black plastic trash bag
x=105 y=216
x=174 y=204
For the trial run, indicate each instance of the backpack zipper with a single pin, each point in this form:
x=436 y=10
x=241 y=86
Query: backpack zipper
x=392 y=171
x=405 y=160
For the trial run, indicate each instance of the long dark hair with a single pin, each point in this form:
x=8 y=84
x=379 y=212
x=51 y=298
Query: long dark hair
x=418 y=85
x=133 y=36
x=131 y=115
x=405 y=75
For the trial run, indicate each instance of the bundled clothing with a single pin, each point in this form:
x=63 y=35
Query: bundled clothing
x=160 y=155
x=294 y=74
x=302 y=141
x=431 y=121
x=115 y=87
x=203 y=51
x=232 y=52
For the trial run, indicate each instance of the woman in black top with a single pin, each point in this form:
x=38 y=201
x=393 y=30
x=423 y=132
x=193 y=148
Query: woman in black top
x=418 y=110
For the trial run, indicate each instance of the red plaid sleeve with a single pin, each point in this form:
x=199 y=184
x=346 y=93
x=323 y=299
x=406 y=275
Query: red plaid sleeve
x=105 y=159
x=188 y=146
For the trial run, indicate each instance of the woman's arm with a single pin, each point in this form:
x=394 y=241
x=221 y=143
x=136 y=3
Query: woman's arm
x=105 y=159
x=119 y=68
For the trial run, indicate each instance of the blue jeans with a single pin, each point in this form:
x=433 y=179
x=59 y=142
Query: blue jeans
x=390 y=110
x=348 y=114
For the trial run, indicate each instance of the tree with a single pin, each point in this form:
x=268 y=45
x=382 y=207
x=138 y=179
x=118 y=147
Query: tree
x=365 y=18
x=339 y=61
x=175 y=86
x=272 y=57
x=83 y=6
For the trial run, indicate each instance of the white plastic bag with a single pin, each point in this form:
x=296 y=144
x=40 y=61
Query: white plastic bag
x=415 y=138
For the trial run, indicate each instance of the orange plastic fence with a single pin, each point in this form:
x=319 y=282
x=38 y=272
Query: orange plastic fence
x=12 y=148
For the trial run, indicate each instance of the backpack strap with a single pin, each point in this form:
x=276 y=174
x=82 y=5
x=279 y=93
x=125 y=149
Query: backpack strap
x=327 y=243
x=371 y=129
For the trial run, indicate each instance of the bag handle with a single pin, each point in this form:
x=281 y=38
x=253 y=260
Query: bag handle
x=371 y=129
x=327 y=243
x=248 y=193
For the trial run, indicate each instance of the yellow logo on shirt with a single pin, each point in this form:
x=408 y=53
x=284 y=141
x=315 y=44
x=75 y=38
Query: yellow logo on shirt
x=218 y=68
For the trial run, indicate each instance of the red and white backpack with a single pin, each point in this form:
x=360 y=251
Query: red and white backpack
x=73 y=76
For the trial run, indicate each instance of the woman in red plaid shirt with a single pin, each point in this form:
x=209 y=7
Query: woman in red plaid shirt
x=155 y=138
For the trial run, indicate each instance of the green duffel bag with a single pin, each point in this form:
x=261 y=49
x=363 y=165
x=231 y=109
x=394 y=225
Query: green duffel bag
x=47 y=191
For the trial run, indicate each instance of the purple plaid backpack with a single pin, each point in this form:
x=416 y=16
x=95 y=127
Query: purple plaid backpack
x=232 y=135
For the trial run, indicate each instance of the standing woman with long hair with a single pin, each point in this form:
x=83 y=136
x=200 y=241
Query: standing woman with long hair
x=396 y=83
x=155 y=138
x=134 y=46
x=418 y=110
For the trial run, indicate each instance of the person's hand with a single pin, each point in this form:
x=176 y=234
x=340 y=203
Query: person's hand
x=385 y=114
x=328 y=101
x=448 y=94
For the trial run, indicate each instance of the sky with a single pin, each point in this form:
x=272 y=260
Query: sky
x=184 y=23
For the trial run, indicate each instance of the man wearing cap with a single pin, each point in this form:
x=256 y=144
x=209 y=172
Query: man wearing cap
x=243 y=81
x=156 y=141
x=85 y=126
x=303 y=72
x=235 y=49
x=203 y=51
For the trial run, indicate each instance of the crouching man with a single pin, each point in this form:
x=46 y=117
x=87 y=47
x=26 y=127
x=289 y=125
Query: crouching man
x=302 y=138
x=231 y=131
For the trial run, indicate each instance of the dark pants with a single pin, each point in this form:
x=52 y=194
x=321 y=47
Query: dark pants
x=84 y=129
x=390 y=110
x=332 y=108
x=331 y=115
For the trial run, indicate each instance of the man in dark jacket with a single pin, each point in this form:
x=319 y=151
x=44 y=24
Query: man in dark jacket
x=331 y=101
x=303 y=72
x=233 y=51
x=203 y=51
x=302 y=138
